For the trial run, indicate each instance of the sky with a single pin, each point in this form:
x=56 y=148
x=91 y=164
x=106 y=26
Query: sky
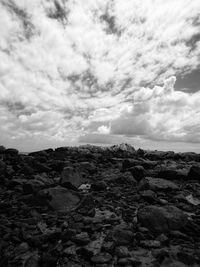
x=100 y=72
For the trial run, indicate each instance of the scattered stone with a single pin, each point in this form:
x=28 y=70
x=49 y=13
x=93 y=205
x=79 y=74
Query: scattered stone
x=51 y=216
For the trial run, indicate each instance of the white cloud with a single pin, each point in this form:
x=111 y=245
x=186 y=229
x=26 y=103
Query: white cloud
x=66 y=65
x=104 y=129
x=162 y=113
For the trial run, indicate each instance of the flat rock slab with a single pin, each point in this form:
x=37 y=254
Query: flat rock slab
x=156 y=184
x=60 y=199
x=162 y=219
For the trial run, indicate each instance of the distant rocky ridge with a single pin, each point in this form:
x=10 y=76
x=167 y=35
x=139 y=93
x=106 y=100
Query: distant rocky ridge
x=99 y=206
x=125 y=150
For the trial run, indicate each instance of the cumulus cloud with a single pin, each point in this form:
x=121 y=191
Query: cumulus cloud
x=161 y=113
x=74 y=68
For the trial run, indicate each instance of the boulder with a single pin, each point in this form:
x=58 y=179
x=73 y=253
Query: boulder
x=2 y=167
x=194 y=173
x=128 y=163
x=40 y=167
x=162 y=219
x=138 y=172
x=11 y=151
x=99 y=186
x=173 y=173
x=148 y=195
x=157 y=184
x=70 y=177
x=2 y=149
x=88 y=166
x=121 y=235
x=59 y=198
x=32 y=186
x=124 y=178
x=57 y=165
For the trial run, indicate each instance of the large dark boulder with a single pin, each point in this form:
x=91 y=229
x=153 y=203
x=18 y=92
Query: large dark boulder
x=194 y=173
x=59 y=198
x=125 y=178
x=2 y=167
x=41 y=167
x=128 y=163
x=11 y=152
x=87 y=166
x=173 y=173
x=138 y=172
x=71 y=177
x=121 y=234
x=157 y=184
x=162 y=219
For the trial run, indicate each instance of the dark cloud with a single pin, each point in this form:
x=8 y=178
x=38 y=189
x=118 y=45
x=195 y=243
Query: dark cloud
x=23 y=16
x=190 y=81
x=110 y=22
x=59 y=12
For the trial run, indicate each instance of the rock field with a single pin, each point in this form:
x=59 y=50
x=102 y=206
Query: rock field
x=99 y=206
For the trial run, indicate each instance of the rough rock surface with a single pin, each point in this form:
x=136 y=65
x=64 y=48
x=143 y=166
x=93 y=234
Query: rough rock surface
x=99 y=206
x=162 y=219
x=157 y=184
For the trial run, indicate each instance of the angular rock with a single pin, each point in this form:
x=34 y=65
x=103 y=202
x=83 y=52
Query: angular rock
x=122 y=252
x=157 y=184
x=128 y=163
x=102 y=257
x=94 y=247
x=11 y=151
x=148 y=195
x=162 y=219
x=138 y=172
x=150 y=243
x=121 y=235
x=194 y=173
x=125 y=178
x=172 y=173
x=70 y=177
x=81 y=239
x=2 y=167
x=88 y=166
x=99 y=186
x=32 y=186
x=41 y=167
x=60 y=198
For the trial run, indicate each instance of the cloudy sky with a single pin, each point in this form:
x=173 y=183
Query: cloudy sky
x=100 y=71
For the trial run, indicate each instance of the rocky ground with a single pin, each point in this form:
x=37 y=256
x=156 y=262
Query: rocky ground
x=93 y=206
